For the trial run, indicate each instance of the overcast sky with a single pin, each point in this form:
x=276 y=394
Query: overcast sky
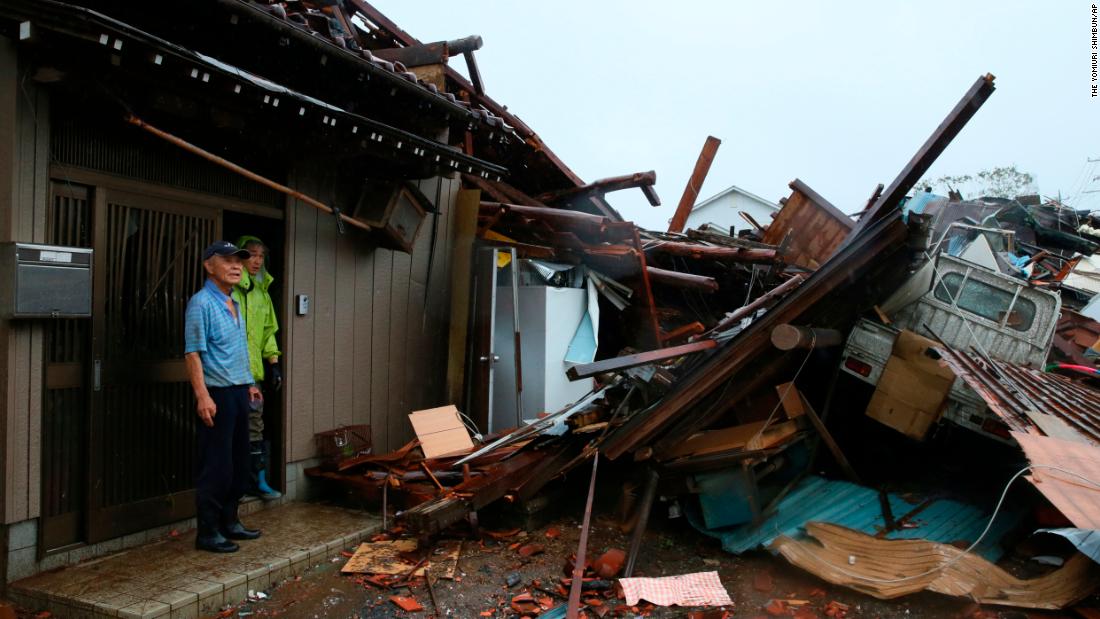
x=838 y=94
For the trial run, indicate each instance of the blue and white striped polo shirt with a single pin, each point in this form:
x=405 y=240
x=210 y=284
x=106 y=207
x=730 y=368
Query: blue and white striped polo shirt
x=219 y=338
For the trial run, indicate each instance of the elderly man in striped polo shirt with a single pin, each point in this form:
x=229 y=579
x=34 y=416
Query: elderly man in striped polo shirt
x=216 y=352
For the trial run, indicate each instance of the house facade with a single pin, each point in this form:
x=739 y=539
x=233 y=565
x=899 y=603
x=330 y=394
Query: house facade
x=724 y=210
x=144 y=134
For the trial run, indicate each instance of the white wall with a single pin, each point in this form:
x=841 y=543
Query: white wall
x=725 y=209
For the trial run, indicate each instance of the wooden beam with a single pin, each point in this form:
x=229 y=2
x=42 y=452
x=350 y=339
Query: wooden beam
x=774 y=294
x=616 y=364
x=606 y=185
x=693 y=328
x=790 y=337
x=211 y=157
x=827 y=438
x=694 y=184
x=956 y=119
x=428 y=53
x=682 y=280
x=709 y=252
x=462 y=269
x=559 y=217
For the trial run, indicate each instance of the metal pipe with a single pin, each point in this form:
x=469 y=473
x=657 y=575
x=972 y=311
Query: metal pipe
x=648 y=495
x=229 y=165
x=574 y=603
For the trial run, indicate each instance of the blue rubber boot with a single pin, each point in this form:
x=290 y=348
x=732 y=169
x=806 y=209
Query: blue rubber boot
x=267 y=493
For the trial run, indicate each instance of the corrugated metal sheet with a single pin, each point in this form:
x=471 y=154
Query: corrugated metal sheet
x=1073 y=496
x=1014 y=393
x=816 y=499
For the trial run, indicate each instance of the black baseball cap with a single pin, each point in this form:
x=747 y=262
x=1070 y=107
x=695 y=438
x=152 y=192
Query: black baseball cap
x=224 y=248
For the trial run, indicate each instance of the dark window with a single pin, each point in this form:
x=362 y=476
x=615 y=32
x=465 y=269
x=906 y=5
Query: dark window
x=986 y=301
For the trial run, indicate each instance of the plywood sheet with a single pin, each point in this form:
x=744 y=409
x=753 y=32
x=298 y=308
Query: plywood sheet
x=385 y=557
x=440 y=431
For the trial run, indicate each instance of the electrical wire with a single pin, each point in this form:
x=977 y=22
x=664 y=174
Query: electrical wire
x=971 y=547
x=790 y=385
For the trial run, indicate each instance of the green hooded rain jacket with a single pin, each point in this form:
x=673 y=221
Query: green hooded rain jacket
x=259 y=314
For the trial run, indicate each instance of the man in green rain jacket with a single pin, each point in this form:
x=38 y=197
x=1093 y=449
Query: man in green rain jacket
x=263 y=354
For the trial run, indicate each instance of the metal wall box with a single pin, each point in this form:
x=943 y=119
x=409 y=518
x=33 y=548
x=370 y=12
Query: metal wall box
x=395 y=210
x=45 y=281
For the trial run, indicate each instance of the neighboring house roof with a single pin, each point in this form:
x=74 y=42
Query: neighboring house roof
x=738 y=190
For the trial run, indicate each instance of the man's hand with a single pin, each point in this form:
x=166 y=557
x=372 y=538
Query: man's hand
x=254 y=393
x=274 y=377
x=207 y=410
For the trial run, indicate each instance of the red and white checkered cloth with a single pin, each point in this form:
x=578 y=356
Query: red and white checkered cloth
x=699 y=589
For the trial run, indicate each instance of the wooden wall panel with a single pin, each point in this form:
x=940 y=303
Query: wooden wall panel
x=398 y=430
x=815 y=227
x=300 y=331
x=363 y=319
x=418 y=378
x=24 y=182
x=343 y=370
x=374 y=346
x=324 y=314
x=439 y=287
x=380 y=351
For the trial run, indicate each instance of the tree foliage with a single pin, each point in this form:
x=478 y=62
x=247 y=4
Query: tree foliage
x=999 y=182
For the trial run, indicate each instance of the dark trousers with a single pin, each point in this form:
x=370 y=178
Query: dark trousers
x=223 y=460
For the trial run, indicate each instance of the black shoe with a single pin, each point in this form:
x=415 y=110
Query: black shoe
x=215 y=544
x=238 y=531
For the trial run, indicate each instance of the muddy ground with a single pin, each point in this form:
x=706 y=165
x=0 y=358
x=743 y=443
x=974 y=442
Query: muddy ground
x=671 y=547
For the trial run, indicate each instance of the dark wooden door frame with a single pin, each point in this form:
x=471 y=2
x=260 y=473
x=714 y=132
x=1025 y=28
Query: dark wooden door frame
x=108 y=521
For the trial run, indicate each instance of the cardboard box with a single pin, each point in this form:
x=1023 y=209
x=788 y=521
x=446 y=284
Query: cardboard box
x=913 y=388
x=441 y=432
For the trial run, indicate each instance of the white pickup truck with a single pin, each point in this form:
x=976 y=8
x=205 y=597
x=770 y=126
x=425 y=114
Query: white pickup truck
x=967 y=306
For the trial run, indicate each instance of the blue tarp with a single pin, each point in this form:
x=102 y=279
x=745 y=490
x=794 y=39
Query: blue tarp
x=1085 y=540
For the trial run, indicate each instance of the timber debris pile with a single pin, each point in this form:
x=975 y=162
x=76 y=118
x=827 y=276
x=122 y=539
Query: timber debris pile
x=896 y=397
x=724 y=367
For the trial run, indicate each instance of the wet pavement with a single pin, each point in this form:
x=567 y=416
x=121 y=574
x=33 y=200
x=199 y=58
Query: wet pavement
x=168 y=578
x=487 y=566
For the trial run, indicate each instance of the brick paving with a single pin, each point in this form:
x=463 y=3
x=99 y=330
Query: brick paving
x=169 y=579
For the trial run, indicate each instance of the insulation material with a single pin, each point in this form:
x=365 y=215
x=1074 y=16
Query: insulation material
x=582 y=348
x=862 y=562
